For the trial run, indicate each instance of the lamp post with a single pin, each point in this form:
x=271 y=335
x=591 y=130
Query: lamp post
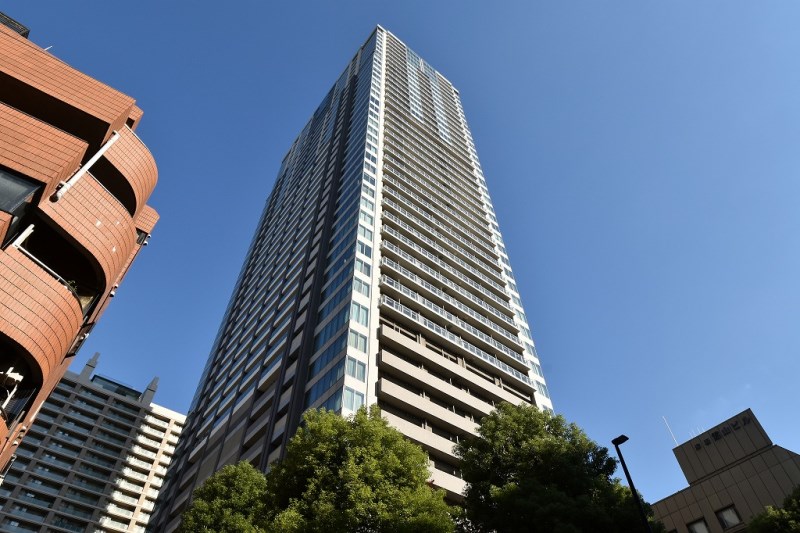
x=616 y=442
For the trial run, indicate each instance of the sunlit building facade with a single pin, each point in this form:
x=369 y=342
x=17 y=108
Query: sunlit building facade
x=377 y=275
x=94 y=459
x=734 y=471
x=74 y=185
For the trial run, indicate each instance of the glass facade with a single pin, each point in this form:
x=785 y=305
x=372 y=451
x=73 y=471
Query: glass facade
x=377 y=274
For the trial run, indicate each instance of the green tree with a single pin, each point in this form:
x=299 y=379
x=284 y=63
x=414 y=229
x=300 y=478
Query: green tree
x=230 y=501
x=532 y=471
x=353 y=474
x=784 y=520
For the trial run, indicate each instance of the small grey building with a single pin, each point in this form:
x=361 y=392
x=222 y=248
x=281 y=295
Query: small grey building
x=734 y=471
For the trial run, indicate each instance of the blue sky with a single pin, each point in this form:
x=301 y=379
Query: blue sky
x=642 y=157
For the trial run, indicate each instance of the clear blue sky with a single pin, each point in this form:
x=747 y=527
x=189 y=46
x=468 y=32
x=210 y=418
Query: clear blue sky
x=643 y=158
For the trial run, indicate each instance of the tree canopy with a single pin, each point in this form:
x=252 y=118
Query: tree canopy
x=783 y=520
x=339 y=474
x=532 y=471
x=353 y=474
x=230 y=501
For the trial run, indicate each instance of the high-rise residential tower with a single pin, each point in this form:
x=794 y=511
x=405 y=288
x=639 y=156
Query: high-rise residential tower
x=377 y=274
x=94 y=459
x=74 y=185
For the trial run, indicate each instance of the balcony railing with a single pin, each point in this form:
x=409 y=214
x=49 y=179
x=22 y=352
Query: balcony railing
x=455 y=339
x=439 y=242
x=118 y=496
x=453 y=319
x=419 y=237
x=397 y=267
x=473 y=249
x=136 y=462
x=113 y=524
x=84 y=301
x=126 y=485
x=145 y=453
x=442 y=265
x=156 y=421
x=148 y=442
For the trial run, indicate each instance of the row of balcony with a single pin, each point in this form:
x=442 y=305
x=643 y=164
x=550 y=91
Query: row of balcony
x=396 y=141
x=457 y=320
x=484 y=268
x=482 y=385
x=447 y=298
x=442 y=333
x=421 y=179
x=437 y=276
x=433 y=204
x=398 y=127
x=405 y=138
x=412 y=245
x=63 y=253
x=476 y=246
x=399 y=87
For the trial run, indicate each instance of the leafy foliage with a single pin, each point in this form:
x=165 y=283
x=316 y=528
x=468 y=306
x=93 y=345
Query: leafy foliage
x=230 y=501
x=531 y=471
x=784 y=520
x=354 y=474
x=339 y=474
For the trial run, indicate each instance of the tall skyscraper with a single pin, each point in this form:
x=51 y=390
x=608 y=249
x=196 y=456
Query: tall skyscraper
x=74 y=183
x=377 y=274
x=94 y=459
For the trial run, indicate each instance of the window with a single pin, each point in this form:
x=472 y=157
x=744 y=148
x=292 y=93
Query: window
x=325 y=383
x=366 y=217
x=361 y=286
x=363 y=267
x=16 y=194
x=365 y=232
x=353 y=400
x=698 y=526
x=358 y=341
x=356 y=369
x=728 y=517
x=359 y=313
x=363 y=249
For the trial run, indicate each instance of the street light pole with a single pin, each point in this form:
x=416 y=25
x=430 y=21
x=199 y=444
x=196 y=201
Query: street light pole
x=616 y=442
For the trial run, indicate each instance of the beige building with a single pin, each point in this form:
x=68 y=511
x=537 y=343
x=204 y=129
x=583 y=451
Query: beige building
x=734 y=471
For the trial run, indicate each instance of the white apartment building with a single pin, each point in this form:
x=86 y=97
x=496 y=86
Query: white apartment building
x=93 y=460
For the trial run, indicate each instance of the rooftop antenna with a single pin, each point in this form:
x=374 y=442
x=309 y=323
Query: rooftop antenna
x=670 y=431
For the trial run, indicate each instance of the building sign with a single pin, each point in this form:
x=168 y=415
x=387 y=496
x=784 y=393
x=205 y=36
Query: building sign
x=723 y=431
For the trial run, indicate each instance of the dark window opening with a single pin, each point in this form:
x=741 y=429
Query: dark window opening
x=20 y=382
x=115 y=183
x=64 y=261
x=16 y=196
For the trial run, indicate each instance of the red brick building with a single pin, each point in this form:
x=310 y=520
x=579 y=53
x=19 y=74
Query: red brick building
x=74 y=182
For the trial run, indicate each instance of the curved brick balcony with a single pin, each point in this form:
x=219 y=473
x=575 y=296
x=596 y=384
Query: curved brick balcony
x=37 y=311
x=99 y=222
x=132 y=159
